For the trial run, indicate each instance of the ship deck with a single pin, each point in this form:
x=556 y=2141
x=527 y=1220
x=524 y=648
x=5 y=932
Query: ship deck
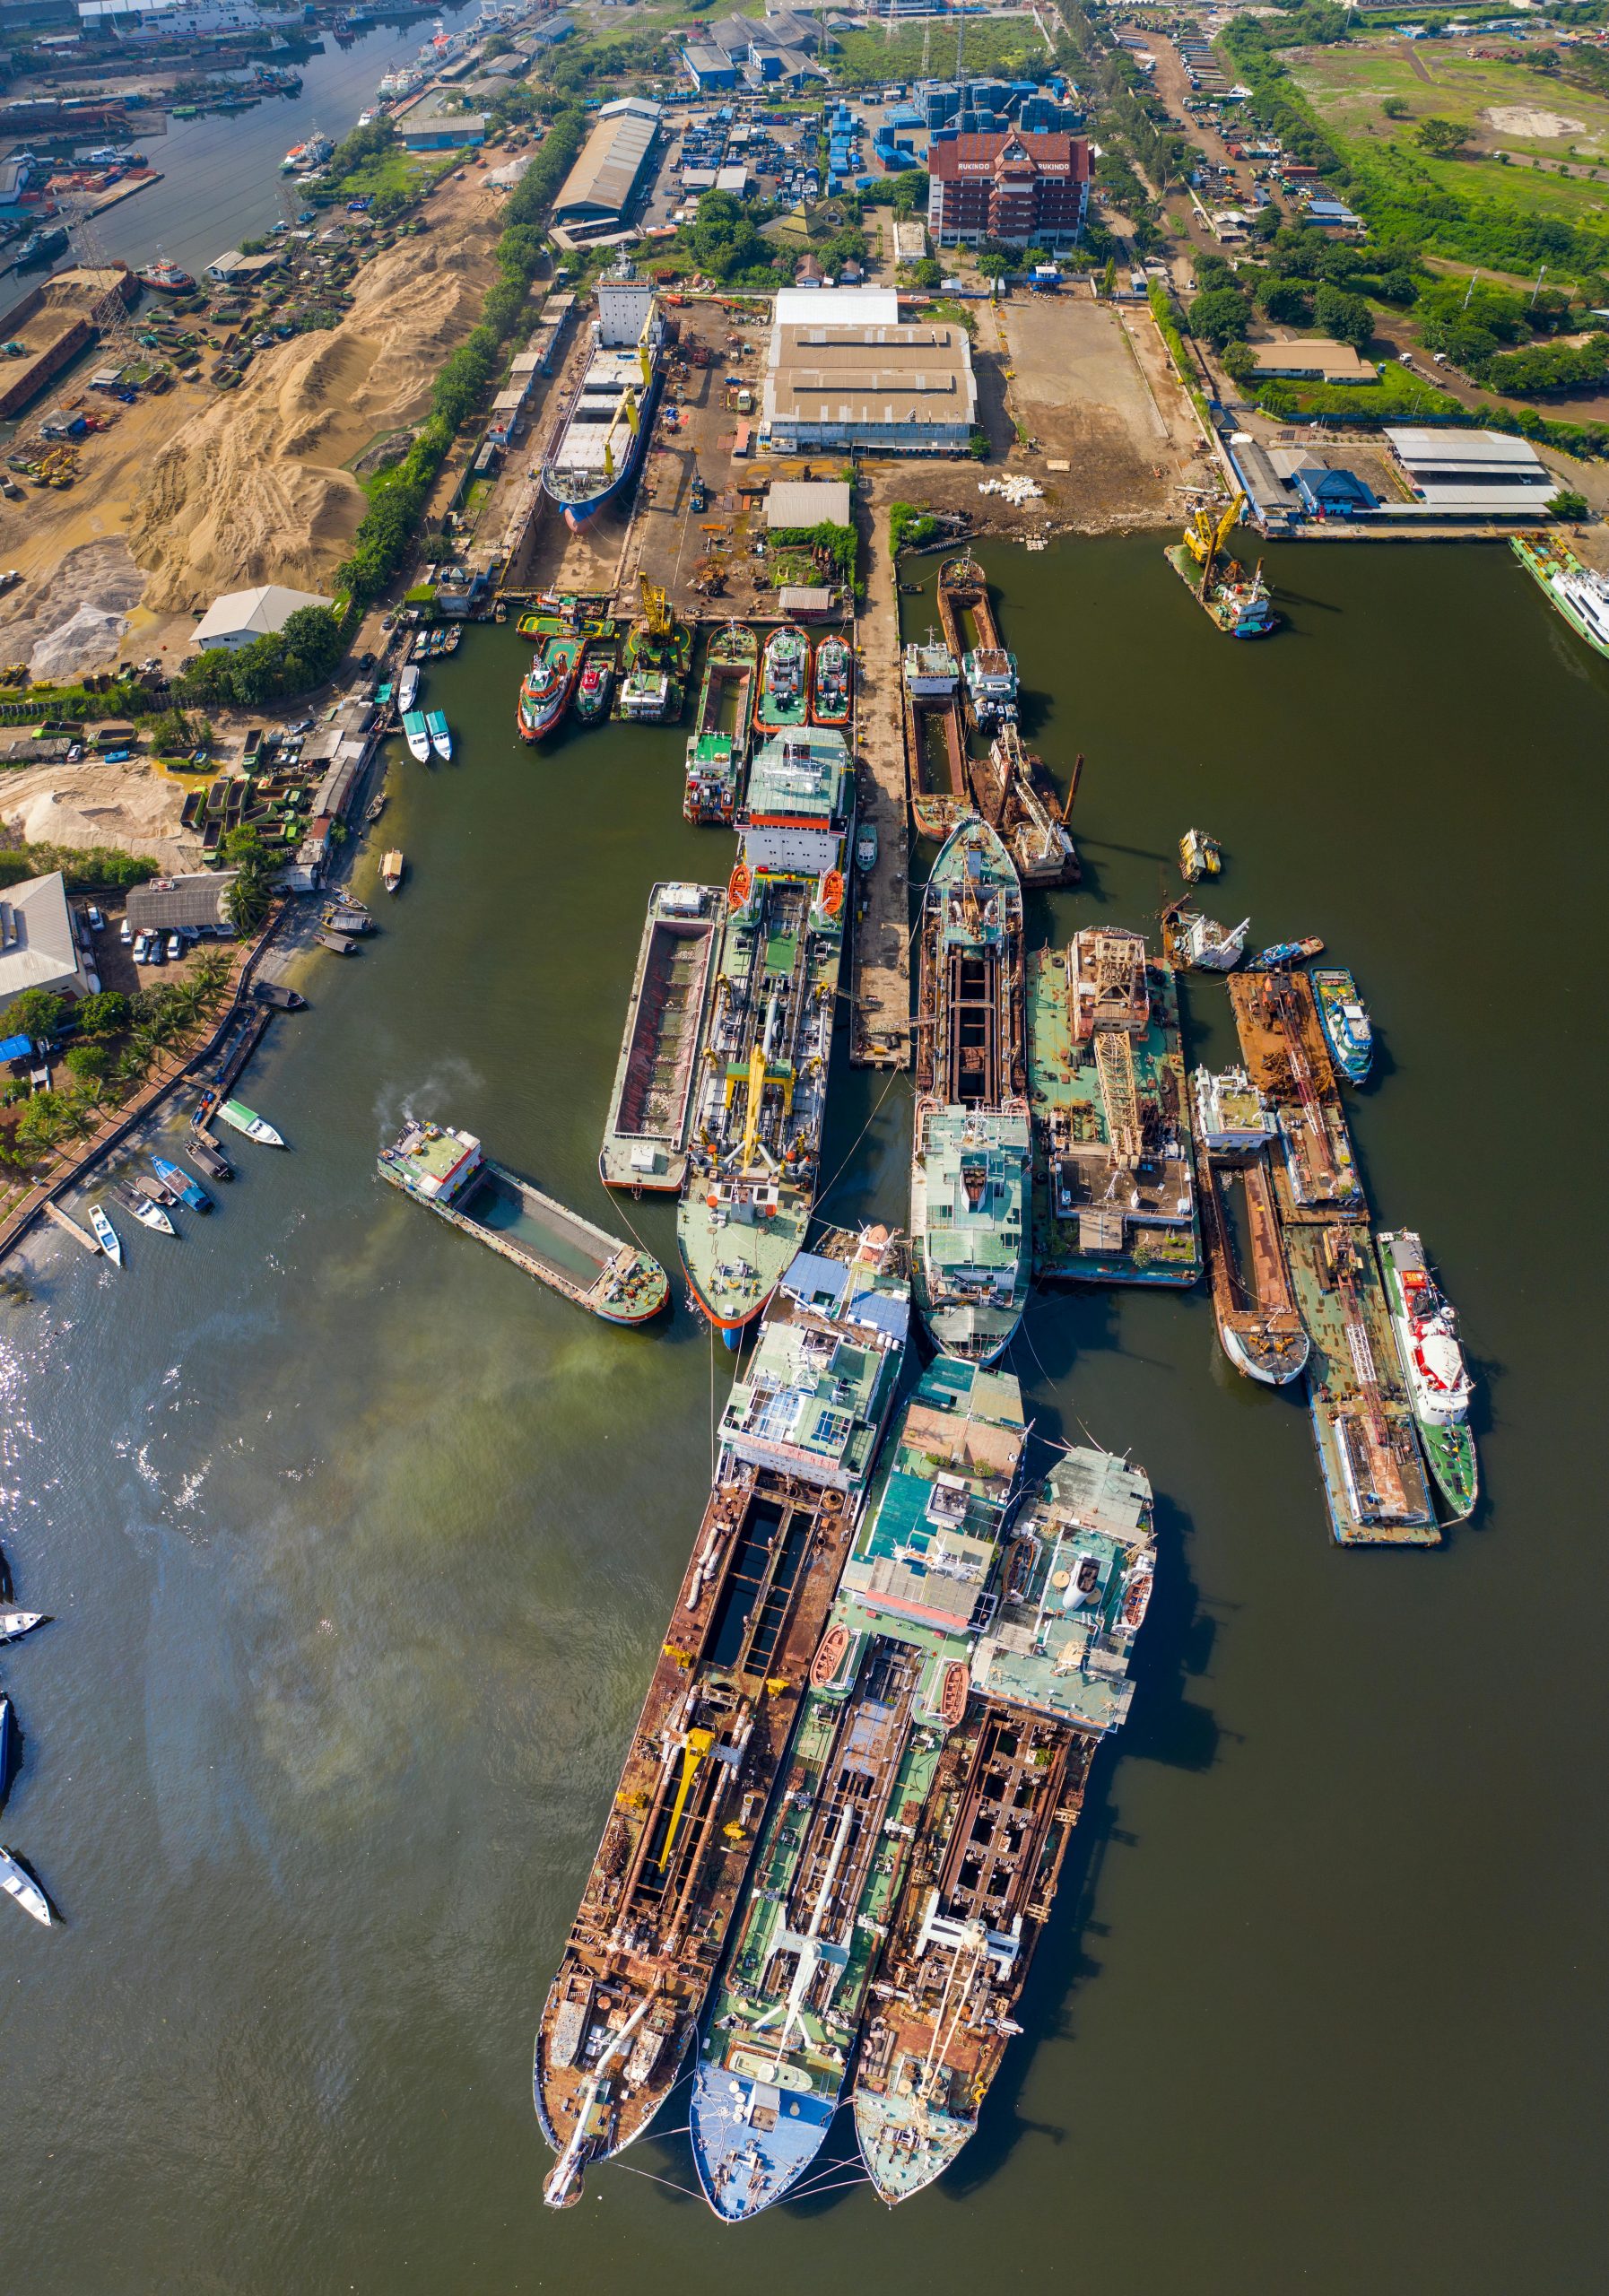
x=1243 y=1239
x=1101 y=1216
x=1282 y=1045
x=645 y=1139
x=1369 y=1452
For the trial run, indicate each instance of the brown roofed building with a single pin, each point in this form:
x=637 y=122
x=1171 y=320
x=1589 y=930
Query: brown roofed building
x=1022 y=189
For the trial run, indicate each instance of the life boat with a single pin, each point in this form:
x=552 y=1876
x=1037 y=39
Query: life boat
x=739 y=884
x=829 y=1655
x=953 y=1699
x=831 y=894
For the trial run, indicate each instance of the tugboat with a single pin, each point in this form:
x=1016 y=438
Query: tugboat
x=595 y=684
x=1238 y=601
x=165 y=277
x=546 y=688
x=833 y=683
x=1280 y=955
x=718 y=750
x=1345 y=1020
x=784 y=679
x=1438 y=1383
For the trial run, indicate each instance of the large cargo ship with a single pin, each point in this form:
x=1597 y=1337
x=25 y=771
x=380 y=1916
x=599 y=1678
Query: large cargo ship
x=1117 y=1201
x=444 y=1170
x=719 y=747
x=1049 y=1679
x=598 y=446
x=1576 y=591
x=887 y=1686
x=650 y=1108
x=762 y=1091
x=1438 y=1383
x=1374 y=1479
x=1259 y=1328
x=798 y=1438
x=970 y=1191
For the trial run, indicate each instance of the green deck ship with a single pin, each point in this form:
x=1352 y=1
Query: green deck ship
x=888 y=1683
x=1114 y=1189
x=1576 y=591
x=760 y=1094
x=719 y=747
x=1374 y=1479
x=1433 y=1356
x=970 y=1188
x=1049 y=1680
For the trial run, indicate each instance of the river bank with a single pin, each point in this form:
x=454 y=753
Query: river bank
x=359 y=1546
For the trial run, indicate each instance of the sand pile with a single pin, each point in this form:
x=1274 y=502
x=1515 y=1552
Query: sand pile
x=252 y=489
x=75 y=619
x=93 y=804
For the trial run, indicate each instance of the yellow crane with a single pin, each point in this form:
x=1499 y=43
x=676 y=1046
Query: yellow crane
x=655 y=607
x=1205 y=540
x=698 y=1744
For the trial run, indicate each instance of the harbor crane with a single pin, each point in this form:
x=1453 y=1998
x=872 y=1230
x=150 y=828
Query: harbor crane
x=1205 y=540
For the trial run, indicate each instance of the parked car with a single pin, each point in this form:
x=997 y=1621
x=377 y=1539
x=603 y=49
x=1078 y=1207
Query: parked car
x=126 y=934
x=176 y=947
x=141 y=944
x=97 y=922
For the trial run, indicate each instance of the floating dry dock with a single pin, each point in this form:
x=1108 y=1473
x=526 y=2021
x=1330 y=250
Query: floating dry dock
x=1374 y=1475
x=645 y=1139
x=444 y=1170
x=1116 y=1199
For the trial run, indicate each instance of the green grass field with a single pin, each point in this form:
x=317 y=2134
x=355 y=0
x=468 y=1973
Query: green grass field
x=864 y=58
x=1347 y=86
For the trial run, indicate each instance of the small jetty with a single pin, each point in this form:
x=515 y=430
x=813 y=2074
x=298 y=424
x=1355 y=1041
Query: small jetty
x=71 y=1227
x=444 y=1170
x=646 y=1137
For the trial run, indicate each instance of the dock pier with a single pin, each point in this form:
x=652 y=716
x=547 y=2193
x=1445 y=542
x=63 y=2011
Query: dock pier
x=880 y=1034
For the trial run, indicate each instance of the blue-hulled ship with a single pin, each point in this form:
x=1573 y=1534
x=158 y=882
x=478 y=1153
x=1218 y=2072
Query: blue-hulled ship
x=599 y=448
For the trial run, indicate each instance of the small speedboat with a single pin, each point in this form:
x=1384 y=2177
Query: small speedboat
x=865 y=848
x=105 y=1235
x=407 y=688
x=148 y=1214
x=188 y=1190
x=441 y=740
x=210 y=1160
x=18 y=1882
x=15 y=1624
x=8 y=1742
x=1281 y=954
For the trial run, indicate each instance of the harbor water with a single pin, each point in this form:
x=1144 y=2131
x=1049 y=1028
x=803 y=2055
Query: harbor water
x=361 y=1546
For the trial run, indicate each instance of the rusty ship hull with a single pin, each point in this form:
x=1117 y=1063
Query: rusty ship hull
x=935 y=764
x=983 y=1866
x=1260 y=1327
x=1282 y=1045
x=676 y=1850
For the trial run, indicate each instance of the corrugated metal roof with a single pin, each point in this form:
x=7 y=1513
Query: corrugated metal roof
x=605 y=177
x=1466 y=449
x=171 y=901
x=794 y=503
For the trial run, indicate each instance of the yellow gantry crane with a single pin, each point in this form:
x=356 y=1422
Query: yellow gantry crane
x=655 y=607
x=1205 y=540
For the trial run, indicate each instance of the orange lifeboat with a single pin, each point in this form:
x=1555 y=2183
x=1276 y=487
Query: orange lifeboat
x=833 y=892
x=739 y=883
x=952 y=1702
x=829 y=1655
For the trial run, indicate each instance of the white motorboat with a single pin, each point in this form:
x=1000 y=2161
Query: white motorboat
x=407 y=688
x=148 y=1214
x=15 y=1624
x=17 y=1883
x=105 y=1235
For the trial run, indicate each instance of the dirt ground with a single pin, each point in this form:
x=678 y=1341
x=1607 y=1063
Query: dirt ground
x=134 y=806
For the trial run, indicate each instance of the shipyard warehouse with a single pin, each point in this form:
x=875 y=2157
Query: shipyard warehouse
x=843 y=371
x=597 y=193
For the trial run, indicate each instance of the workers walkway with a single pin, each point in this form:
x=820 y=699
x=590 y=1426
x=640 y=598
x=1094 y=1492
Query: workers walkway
x=881 y=1034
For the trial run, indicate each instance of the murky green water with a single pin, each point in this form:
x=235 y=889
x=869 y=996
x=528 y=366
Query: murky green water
x=359 y=1545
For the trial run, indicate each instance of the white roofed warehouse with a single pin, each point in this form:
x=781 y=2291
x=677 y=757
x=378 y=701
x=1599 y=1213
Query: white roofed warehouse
x=1472 y=474
x=844 y=371
x=241 y=617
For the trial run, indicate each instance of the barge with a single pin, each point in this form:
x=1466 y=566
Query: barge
x=1049 y=1680
x=970 y=1187
x=724 y=1696
x=988 y=673
x=719 y=749
x=935 y=747
x=446 y=1170
x=1375 y=1484
x=1287 y=1059
x=1259 y=1327
x=650 y=1108
x=1115 y=1189
x=888 y=1684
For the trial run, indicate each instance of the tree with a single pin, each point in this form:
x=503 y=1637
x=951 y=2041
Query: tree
x=1444 y=139
x=1397 y=286
x=105 y=1014
x=43 y=1123
x=1347 y=317
x=37 y=1013
x=251 y=895
x=1285 y=301
x=1238 y=360
x=1393 y=107
x=1220 y=317
x=1568 y=504
x=928 y=273
x=993 y=266
x=90 y=1064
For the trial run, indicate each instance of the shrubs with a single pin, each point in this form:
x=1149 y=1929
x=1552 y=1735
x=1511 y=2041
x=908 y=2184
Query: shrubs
x=97 y=869
x=910 y=527
x=285 y=662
